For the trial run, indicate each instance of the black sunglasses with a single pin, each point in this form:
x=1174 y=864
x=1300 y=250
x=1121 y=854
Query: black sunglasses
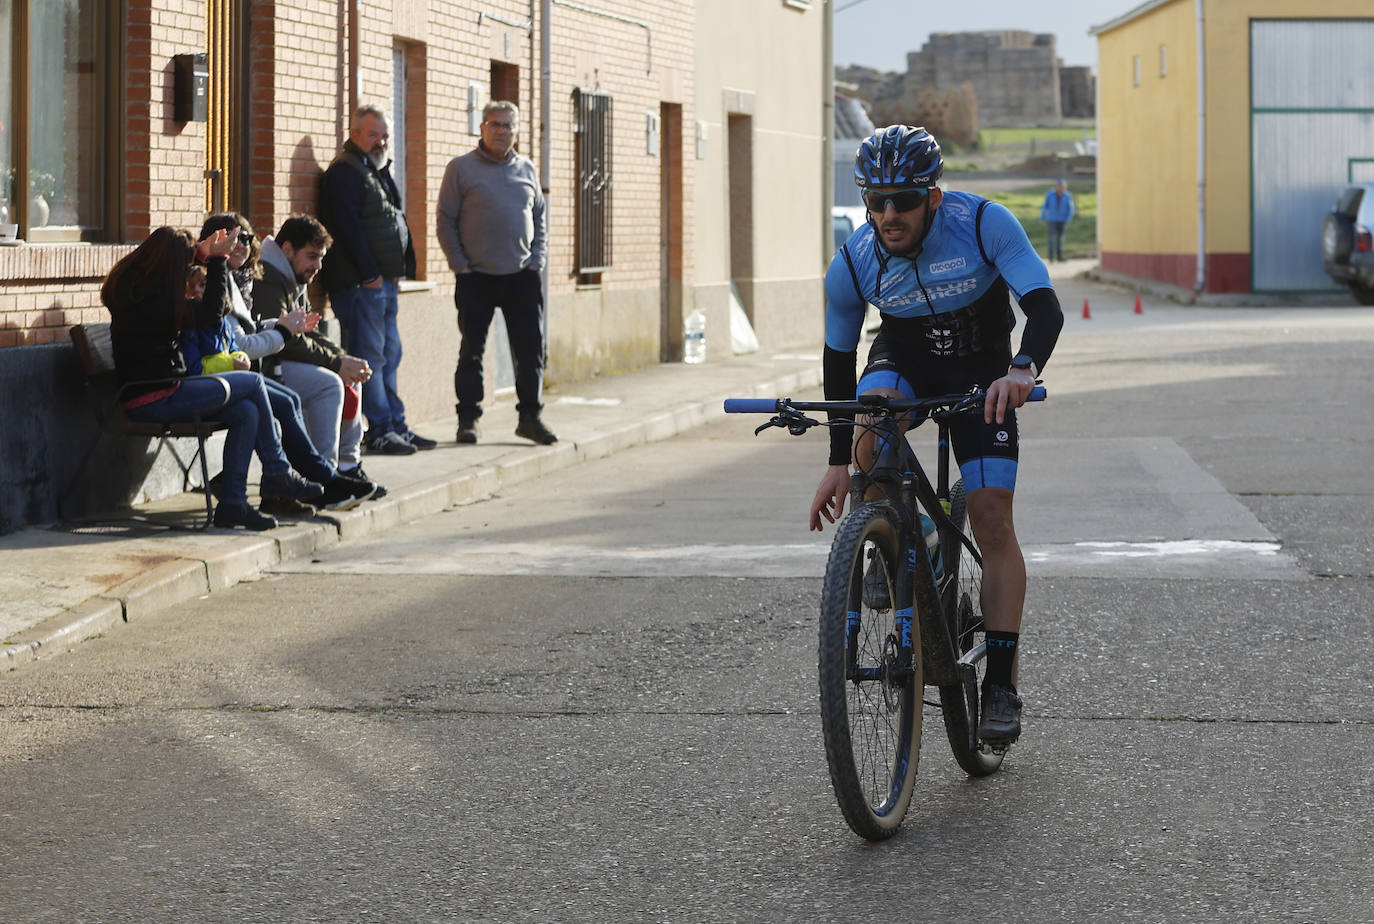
x=903 y=200
x=245 y=238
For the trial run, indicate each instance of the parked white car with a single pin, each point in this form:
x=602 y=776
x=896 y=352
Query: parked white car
x=844 y=219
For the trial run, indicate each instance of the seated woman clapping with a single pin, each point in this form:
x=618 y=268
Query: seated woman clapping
x=146 y=295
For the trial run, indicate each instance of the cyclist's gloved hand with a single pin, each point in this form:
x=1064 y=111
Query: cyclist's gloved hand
x=829 y=500
x=1010 y=391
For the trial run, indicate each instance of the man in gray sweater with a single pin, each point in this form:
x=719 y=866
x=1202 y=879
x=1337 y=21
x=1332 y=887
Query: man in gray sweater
x=492 y=228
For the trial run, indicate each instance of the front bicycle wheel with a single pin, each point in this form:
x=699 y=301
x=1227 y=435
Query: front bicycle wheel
x=870 y=684
x=962 y=599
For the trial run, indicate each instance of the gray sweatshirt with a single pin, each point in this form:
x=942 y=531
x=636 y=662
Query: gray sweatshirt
x=491 y=214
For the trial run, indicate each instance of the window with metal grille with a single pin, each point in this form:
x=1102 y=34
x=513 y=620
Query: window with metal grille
x=592 y=134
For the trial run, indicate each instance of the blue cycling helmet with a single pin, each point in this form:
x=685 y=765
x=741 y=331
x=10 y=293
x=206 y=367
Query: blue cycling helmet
x=899 y=155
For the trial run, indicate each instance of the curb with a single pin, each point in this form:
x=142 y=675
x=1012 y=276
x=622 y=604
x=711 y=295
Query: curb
x=185 y=579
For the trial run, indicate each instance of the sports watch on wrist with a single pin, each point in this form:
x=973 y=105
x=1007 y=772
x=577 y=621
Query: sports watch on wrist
x=1023 y=361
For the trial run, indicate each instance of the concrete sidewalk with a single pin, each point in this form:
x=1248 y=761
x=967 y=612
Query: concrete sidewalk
x=68 y=582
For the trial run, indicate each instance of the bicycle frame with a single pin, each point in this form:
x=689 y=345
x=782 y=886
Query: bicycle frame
x=897 y=472
x=875 y=597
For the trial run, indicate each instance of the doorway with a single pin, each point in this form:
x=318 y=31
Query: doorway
x=740 y=140
x=670 y=232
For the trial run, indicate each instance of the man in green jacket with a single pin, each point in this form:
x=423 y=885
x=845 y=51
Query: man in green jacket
x=311 y=364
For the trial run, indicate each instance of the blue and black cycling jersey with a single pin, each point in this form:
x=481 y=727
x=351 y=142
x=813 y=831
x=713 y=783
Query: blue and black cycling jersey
x=946 y=320
x=973 y=253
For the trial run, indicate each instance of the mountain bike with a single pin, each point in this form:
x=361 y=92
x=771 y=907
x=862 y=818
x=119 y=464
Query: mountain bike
x=896 y=615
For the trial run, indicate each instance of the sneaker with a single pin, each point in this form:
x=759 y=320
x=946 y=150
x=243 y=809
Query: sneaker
x=286 y=507
x=418 y=441
x=532 y=428
x=289 y=484
x=390 y=444
x=227 y=516
x=467 y=433
x=357 y=472
x=876 y=595
x=344 y=492
x=1000 y=723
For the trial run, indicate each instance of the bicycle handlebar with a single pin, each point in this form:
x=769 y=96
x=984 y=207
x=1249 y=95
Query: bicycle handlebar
x=870 y=403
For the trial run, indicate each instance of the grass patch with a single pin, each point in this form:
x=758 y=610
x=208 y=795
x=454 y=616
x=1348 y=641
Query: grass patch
x=1080 y=237
x=991 y=139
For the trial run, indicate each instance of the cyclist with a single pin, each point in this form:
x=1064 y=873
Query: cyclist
x=938 y=266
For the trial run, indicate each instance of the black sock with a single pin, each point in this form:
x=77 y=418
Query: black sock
x=1001 y=651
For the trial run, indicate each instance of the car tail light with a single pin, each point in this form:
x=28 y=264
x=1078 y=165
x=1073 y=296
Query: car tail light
x=1364 y=241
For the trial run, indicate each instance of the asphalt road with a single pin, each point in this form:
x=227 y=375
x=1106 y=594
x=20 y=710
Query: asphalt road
x=593 y=698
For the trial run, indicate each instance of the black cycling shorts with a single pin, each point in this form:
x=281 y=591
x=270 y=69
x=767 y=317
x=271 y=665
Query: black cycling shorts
x=986 y=453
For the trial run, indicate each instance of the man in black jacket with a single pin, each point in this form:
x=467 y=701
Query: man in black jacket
x=361 y=207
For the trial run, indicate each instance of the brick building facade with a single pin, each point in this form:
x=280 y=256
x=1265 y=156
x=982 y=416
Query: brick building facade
x=694 y=99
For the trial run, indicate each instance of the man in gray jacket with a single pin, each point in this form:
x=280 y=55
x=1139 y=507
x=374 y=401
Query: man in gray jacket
x=492 y=228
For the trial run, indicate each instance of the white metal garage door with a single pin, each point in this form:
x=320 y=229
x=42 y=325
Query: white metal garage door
x=1311 y=133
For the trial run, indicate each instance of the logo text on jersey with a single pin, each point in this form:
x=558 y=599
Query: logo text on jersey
x=948 y=266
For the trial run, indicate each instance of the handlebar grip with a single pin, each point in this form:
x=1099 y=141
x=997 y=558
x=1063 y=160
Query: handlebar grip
x=1037 y=393
x=751 y=405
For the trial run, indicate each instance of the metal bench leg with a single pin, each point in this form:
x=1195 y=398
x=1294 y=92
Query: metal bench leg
x=204 y=476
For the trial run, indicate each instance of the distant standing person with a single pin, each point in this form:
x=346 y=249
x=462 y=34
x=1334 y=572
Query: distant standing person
x=361 y=208
x=492 y=228
x=1057 y=212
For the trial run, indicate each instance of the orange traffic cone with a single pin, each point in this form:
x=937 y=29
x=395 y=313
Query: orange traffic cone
x=1137 y=305
x=1087 y=313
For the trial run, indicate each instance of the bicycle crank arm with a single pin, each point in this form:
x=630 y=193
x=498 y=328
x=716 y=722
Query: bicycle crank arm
x=974 y=655
x=971 y=692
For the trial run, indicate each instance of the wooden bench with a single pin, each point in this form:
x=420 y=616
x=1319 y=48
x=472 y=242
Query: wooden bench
x=96 y=355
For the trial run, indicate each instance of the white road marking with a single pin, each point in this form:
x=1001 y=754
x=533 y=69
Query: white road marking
x=592 y=402
x=1191 y=558
x=474 y=557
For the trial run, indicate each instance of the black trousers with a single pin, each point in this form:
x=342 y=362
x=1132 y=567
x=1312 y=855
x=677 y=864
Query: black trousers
x=520 y=296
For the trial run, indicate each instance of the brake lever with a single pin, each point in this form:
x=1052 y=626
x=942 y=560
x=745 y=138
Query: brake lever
x=795 y=422
x=775 y=422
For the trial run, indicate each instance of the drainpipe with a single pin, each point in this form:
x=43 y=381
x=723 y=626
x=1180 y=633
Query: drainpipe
x=545 y=148
x=355 y=72
x=827 y=128
x=545 y=93
x=1201 y=152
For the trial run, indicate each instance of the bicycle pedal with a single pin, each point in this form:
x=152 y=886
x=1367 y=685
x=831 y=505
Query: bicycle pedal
x=1000 y=748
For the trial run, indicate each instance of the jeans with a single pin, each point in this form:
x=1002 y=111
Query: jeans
x=248 y=416
x=369 y=320
x=295 y=440
x=1056 y=246
x=322 y=399
x=521 y=297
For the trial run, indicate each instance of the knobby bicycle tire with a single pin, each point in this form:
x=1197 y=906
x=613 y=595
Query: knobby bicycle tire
x=871 y=720
x=963 y=606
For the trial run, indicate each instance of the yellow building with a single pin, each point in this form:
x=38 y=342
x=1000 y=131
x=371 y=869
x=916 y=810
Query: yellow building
x=1281 y=94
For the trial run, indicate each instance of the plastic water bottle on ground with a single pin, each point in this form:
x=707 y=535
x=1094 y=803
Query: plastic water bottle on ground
x=694 y=337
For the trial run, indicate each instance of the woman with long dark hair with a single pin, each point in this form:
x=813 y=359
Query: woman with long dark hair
x=146 y=294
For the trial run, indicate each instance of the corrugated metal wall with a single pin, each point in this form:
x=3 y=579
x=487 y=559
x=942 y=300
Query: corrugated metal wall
x=1311 y=132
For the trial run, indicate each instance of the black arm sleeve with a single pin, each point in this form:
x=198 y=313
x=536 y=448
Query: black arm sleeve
x=1044 y=320
x=840 y=384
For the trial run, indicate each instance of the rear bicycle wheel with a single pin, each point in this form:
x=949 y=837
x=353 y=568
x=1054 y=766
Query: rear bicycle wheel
x=870 y=686
x=961 y=597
